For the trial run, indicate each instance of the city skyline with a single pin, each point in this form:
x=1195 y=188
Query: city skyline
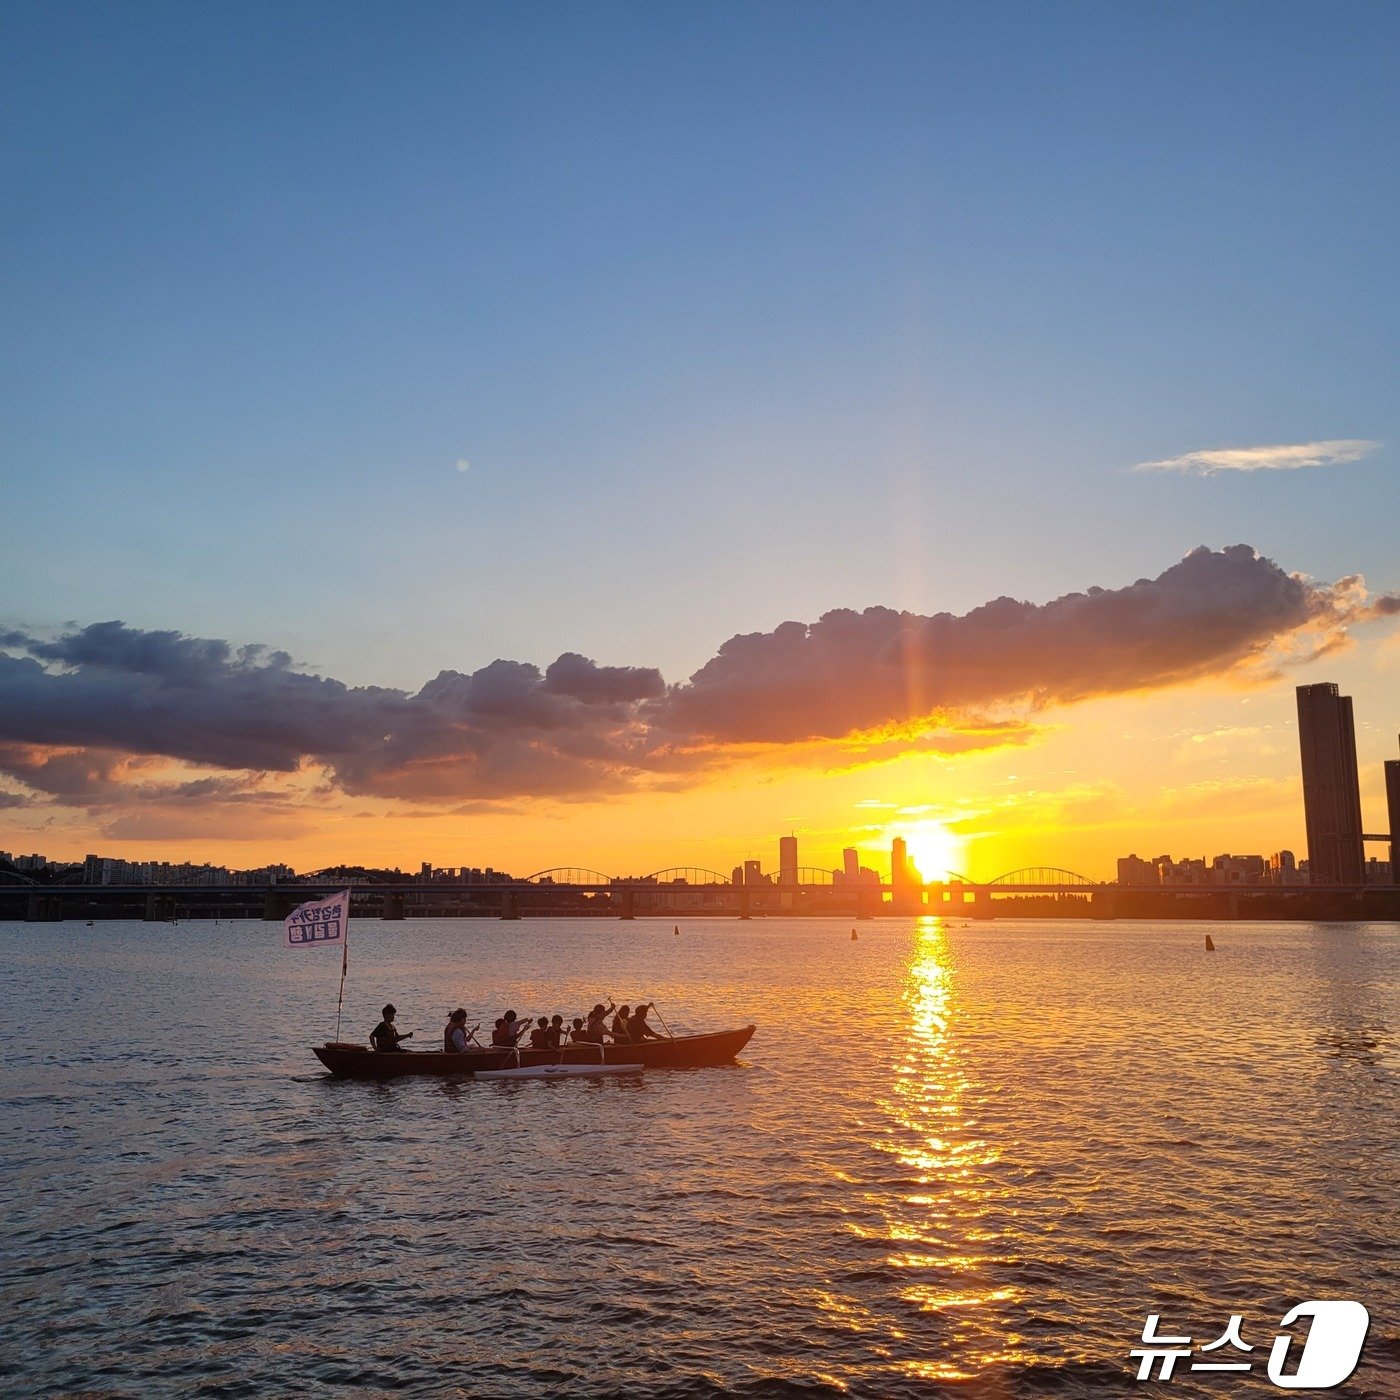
x=935 y=846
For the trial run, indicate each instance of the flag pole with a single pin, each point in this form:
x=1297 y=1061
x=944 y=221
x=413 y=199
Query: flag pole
x=318 y=922
x=344 y=965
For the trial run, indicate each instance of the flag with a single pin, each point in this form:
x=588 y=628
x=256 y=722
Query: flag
x=321 y=922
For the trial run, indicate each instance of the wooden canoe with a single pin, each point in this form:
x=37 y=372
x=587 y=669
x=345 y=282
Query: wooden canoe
x=349 y=1061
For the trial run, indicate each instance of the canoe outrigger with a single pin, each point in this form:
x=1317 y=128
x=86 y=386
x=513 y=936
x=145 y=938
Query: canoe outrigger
x=348 y=1061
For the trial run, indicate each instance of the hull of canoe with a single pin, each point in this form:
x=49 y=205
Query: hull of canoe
x=684 y=1052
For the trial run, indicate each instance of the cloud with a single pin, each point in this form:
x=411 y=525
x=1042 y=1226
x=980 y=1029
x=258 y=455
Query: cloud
x=1214 y=612
x=111 y=717
x=203 y=824
x=1332 y=452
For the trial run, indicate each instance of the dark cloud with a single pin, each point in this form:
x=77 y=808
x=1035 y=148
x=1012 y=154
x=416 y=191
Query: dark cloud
x=246 y=710
x=585 y=680
x=83 y=714
x=849 y=671
x=86 y=776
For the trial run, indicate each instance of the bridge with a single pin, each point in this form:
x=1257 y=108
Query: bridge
x=578 y=891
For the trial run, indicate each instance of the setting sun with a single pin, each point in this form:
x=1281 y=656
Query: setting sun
x=935 y=851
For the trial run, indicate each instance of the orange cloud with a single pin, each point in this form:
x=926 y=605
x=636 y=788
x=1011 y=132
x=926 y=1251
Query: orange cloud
x=90 y=716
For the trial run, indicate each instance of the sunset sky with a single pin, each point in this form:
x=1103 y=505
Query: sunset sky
x=618 y=436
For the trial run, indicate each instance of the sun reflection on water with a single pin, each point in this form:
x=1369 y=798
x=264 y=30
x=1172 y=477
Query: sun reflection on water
x=941 y=1220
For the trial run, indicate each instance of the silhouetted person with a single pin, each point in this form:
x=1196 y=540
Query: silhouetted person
x=454 y=1033
x=508 y=1031
x=539 y=1037
x=554 y=1036
x=619 y=1026
x=637 y=1028
x=384 y=1036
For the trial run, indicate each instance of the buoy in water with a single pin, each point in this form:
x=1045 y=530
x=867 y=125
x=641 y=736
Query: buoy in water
x=853 y=935
x=678 y=930
x=1210 y=944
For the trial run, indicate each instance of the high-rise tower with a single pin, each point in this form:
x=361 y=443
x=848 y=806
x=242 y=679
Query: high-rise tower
x=1392 y=803
x=787 y=860
x=1331 y=791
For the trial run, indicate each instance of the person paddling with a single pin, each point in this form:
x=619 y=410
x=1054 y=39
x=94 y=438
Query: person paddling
x=384 y=1036
x=508 y=1031
x=596 y=1030
x=637 y=1028
x=619 y=1026
x=454 y=1033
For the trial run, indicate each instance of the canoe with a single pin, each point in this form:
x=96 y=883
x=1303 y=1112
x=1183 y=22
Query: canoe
x=348 y=1061
x=556 y=1071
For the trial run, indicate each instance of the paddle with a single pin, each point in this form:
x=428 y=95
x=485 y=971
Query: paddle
x=471 y=1035
x=662 y=1019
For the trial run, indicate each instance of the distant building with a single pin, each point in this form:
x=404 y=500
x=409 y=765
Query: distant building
x=850 y=865
x=1283 y=869
x=904 y=881
x=753 y=874
x=1331 y=790
x=787 y=860
x=1132 y=871
x=1238 y=870
x=1392 y=802
x=1182 y=872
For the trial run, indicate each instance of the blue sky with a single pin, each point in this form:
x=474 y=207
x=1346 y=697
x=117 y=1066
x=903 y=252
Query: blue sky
x=738 y=313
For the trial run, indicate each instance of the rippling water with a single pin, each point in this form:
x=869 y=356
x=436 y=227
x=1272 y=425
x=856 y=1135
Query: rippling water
x=955 y=1159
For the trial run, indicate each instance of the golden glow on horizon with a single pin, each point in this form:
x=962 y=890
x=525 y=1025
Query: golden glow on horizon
x=935 y=851
x=1193 y=772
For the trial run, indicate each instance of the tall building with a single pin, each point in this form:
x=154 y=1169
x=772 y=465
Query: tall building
x=850 y=865
x=1392 y=802
x=787 y=860
x=905 y=894
x=899 y=862
x=1132 y=871
x=1331 y=791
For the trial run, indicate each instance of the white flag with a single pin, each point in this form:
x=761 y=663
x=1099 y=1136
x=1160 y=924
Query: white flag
x=321 y=922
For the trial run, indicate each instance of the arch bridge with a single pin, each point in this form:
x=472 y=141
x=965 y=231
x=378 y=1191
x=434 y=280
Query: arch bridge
x=687 y=875
x=1042 y=877
x=569 y=875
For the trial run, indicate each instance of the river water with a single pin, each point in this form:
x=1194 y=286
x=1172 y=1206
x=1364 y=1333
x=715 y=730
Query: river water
x=956 y=1159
